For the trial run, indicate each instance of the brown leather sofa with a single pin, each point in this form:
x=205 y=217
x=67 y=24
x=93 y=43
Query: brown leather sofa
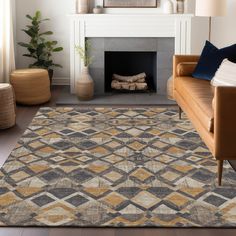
x=212 y=111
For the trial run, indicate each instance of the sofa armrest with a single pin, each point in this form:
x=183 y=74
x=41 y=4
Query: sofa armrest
x=225 y=123
x=186 y=68
x=177 y=59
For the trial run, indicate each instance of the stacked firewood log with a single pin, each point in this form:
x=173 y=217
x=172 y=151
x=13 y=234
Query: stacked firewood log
x=132 y=83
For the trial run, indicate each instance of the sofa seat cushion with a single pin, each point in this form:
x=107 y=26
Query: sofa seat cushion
x=198 y=94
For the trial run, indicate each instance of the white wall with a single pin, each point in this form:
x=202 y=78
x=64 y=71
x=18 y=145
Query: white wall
x=57 y=11
x=224 y=30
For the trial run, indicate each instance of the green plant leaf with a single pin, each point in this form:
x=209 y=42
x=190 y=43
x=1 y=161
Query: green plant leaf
x=29 y=17
x=46 y=33
x=31 y=51
x=40 y=49
x=54 y=43
x=42 y=39
x=29 y=26
x=35 y=22
x=45 y=19
x=38 y=14
x=59 y=49
x=25 y=45
x=57 y=65
x=48 y=43
x=29 y=55
x=29 y=32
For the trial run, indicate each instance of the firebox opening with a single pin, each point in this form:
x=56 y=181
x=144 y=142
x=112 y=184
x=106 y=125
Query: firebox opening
x=130 y=71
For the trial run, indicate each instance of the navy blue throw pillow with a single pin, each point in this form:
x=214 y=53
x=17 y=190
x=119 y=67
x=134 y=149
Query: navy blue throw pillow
x=211 y=59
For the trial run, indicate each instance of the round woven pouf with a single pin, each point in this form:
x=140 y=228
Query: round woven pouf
x=32 y=86
x=7 y=106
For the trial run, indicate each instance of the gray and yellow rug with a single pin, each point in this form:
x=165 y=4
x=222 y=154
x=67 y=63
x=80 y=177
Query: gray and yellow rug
x=105 y=167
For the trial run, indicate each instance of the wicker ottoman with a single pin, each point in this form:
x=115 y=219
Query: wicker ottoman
x=7 y=106
x=32 y=86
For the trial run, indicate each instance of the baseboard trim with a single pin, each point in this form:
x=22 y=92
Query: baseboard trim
x=61 y=81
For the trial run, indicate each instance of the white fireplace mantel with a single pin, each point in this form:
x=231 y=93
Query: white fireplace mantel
x=125 y=25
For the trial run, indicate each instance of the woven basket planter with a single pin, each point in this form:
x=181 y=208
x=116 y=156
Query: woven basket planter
x=7 y=106
x=31 y=86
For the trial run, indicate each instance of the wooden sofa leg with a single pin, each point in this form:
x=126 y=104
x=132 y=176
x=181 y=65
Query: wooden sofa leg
x=220 y=171
x=180 y=113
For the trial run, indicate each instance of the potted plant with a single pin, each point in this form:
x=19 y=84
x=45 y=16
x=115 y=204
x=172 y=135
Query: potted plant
x=39 y=48
x=85 y=84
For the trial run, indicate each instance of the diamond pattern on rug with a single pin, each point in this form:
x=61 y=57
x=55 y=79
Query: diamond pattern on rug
x=117 y=167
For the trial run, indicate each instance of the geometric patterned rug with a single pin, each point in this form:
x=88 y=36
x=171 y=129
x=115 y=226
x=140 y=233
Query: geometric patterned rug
x=120 y=167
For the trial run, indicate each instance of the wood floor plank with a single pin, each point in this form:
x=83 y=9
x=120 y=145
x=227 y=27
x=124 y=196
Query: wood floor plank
x=206 y=232
x=35 y=232
x=97 y=232
x=160 y=232
x=11 y=232
x=65 y=232
x=135 y=231
x=10 y=137
x=114 y=232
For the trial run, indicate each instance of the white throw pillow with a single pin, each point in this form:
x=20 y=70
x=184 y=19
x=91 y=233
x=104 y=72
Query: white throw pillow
x=225 y=75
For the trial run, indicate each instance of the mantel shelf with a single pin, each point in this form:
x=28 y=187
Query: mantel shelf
x=109 y=15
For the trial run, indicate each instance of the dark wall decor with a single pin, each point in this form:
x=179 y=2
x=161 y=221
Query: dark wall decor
x=130 y=3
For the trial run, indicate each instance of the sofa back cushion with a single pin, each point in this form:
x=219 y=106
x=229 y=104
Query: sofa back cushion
x=210 y=60
x=225 y=75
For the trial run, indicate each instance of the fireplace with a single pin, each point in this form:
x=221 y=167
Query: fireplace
x=164 y=34
x=129 y=57
x=127 y=71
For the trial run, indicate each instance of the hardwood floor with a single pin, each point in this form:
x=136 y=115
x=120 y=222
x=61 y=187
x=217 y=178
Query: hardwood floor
x=24 y=115
x=8 y=140
x=115 y=232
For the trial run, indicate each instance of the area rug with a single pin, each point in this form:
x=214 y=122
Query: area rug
x=140 y=167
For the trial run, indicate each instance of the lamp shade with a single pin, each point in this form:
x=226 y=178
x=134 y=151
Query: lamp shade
x=211 y=7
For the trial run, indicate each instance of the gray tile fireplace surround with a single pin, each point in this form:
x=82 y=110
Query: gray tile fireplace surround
x=164 y=47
